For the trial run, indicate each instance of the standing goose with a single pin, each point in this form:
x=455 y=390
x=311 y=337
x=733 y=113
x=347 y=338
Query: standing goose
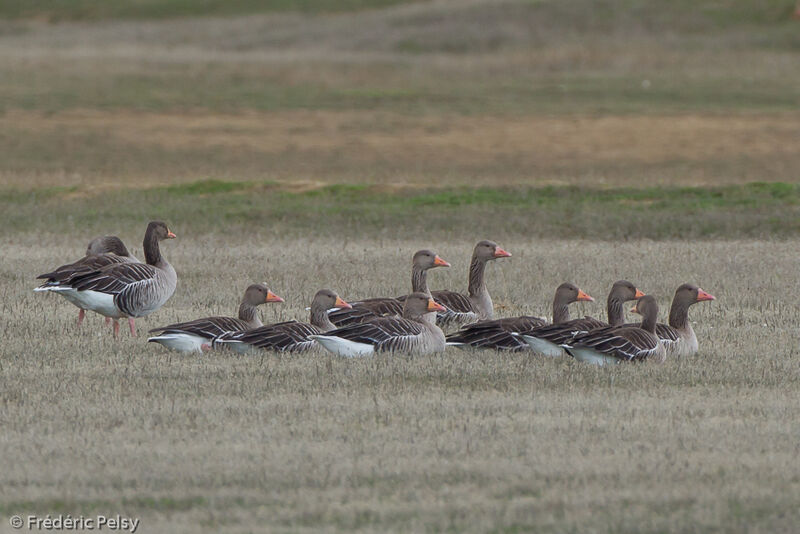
x=102 y=251
x=127 y=289
x=412 y=333
x=368 y=309
x=289 y=336
x=477 y=305
x=547 y=340
x=199 y=335
x=622 y=343
x=678 y=336
x=500 y=333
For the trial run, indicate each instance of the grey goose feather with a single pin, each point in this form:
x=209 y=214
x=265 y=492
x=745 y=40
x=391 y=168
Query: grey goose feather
x=621 y=343
x=678 y=336
x=412 y=333
x=547 y=340
x=368 y=309
x=126 y=289
x=199 y=335
x=502 y=334
x=289 y=336
x=477 y=304
x=101 y=252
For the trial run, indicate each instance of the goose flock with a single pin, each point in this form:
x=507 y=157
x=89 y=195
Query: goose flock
x=110 y=281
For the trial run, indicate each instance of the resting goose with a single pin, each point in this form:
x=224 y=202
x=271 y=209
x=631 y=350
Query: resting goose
x=499 y=333
x=622 y=343
x=477 y=305
x=199 y=335
x=126 y=289
x=678 y=336
x=289 y=336
x=101 y=251
x=368 y=309
x=547 y=340
x=412 y=333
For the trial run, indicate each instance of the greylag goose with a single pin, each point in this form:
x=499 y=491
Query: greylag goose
x=547 y=340
x=199 y=335
x=289 y=336
x=126 y=289
x=101 y=251
x=499 y=333
x=477 y=305
x=678 y=336
x=367 y=309
x=622 y=343
x=412 y=333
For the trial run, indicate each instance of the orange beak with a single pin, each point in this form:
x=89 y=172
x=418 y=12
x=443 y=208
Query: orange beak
x=439 y=262
x=435 y=306
x=584 y=296
x=634 y=310
x=702 y=295
x=272 y=297
x=639 y=294
x=500 y=253
x=170 y=235
x=341 y=304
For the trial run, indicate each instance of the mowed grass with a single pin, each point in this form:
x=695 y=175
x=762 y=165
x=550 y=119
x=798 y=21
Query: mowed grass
x=462 y=441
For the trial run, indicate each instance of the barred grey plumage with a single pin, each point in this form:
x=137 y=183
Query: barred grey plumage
x=101 y=252
x=410 y=334
x=477 y=305
x=207 y=329
x=500 y=334
x=622 y=343
x=368 y=309
x=291 y=336
x=678 y=336
x=127 y=289
x=559 y=333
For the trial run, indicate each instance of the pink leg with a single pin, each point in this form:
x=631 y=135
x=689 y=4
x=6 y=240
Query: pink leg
x=116 y=328
x=132 y=326
x=108 y=320
x=81 y=315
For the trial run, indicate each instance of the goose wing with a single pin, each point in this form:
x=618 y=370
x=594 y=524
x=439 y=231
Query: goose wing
x=207 y=327
x=564 y=332
x=624 y=342
x=114 y=279
x=497 y=333
x=454 y=302
x=667 y=334
x=385 y=334
x=288 y=336
x=366 y=310
x=86 y=265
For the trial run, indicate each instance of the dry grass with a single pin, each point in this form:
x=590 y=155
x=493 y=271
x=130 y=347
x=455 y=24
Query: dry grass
x=454 y=92
x=106 y=147
x=463 y=442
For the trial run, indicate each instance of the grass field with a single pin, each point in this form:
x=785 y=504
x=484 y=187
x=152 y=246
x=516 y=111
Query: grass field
x=319 y=144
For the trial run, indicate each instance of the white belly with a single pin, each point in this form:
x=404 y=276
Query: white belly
x=544 y=347
x=102 y=303
x=344 y=347
x=593 y=357
x=181 y=342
